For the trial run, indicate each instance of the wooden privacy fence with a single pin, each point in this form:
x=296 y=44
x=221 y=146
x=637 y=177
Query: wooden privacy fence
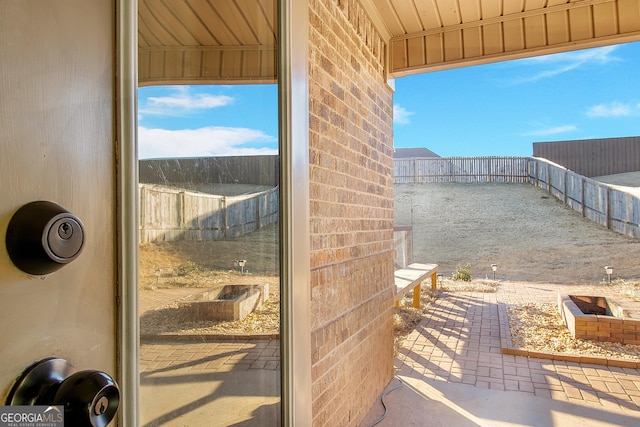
x=615 y=209
x=174 y=214
x=168 y=214
x=461 y=169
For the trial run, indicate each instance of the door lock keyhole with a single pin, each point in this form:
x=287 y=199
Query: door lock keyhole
x=101 y=405
x=65 y=230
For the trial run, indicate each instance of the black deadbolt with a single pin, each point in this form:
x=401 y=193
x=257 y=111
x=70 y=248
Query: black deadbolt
x=43 y=236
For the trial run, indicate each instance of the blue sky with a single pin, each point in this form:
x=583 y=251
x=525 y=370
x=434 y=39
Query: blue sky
x=497 y=109
x=194 y=121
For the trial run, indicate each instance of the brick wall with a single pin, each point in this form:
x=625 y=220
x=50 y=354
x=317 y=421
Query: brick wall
x=351 y=192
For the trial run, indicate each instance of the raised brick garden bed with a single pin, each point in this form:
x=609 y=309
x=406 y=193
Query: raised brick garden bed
x=598 y=318
x=232 y=302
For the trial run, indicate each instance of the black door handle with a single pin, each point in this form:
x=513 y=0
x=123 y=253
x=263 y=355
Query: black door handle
x=90 y=398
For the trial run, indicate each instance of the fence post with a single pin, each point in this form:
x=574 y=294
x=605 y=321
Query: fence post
x=223 y=212
x=181 y=216
x=143 y=218
x=608 y=207
x=258 y=222
x=453 y=171
x=582 y=196
x=565 y=186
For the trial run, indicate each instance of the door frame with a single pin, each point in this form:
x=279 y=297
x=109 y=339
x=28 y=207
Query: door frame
x=128 y=329
x=295 y=275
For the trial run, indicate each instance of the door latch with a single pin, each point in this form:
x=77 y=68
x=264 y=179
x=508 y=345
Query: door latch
x=90 y=398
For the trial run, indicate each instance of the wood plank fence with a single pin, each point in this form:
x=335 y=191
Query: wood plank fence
x=168 y=214
x=601 y=203
x=461 y=169
x=174 y=214
x=617 y=210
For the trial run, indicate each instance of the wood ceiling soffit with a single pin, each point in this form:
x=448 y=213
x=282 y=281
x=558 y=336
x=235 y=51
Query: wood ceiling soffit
x=205 y=41
x=523 y=29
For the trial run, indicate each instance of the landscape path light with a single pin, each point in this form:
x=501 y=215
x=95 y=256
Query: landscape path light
x=494 y=268
x=609 y=270
x=240 y=263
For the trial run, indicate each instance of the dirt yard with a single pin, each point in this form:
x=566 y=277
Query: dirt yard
x=188 y=263
x=173 y=270
x=528 y=233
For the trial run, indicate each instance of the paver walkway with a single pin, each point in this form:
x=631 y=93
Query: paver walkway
x=456 y=348
x=202 y=381
x=218 y=383
x=459 y=342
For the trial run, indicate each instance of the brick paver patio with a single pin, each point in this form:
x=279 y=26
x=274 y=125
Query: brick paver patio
x=461 y=341
x=205 y=380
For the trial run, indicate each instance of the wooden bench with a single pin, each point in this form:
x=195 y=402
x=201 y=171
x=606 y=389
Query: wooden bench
x=411 y=277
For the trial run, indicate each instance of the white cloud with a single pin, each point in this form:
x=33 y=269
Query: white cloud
x=401 y=115
x=614 y=109
x=207 y=141
x=190 y=102
x=552 y=130
x=561 y=63
x=599 y=54
x=547 y=73
x=182 y=101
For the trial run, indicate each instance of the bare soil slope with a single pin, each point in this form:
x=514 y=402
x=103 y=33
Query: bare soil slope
x=527 y=232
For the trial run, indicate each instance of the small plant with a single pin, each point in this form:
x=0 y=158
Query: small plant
x=188 y=268
x=462 y=274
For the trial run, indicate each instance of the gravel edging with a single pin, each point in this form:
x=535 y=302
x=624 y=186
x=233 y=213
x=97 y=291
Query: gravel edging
x=508 y=348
